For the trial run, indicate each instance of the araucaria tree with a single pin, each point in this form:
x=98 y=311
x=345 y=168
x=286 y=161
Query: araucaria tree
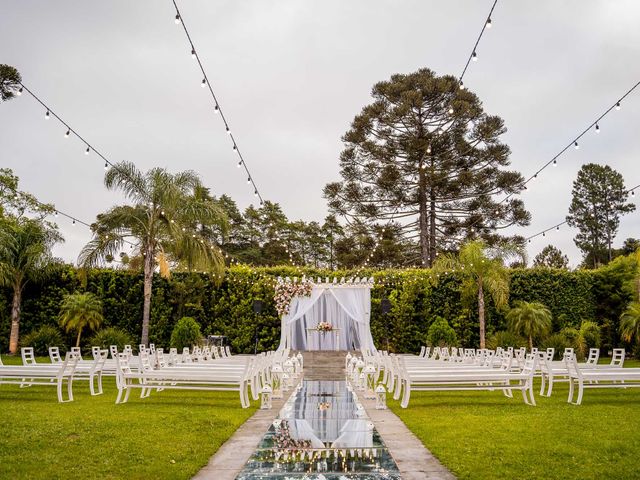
x=551 y=257
x=169 y=223
x=426 y=155
x=9 y=81
x=599 y=199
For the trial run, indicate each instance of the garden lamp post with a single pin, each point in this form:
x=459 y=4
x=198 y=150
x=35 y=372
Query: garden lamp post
x=381 y=397
x=276 y=375
x=266 y=394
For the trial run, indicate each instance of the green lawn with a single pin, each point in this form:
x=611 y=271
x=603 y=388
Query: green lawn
x=170 y=435
x=484 y=435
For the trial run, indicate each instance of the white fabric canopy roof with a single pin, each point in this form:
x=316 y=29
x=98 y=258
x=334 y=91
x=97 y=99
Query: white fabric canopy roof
x=347 y=306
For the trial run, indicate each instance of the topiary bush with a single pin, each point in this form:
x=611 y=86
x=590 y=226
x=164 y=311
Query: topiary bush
x=41 y=339
x=112 y=336
x=505 y=338
x=559 y=342
x=186 y=333
x=441 y=334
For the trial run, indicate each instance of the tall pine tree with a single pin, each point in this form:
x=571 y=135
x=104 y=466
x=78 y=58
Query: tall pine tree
x=599 y=198
x=424 y=153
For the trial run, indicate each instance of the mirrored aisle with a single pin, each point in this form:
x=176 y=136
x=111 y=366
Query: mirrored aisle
x=322 y=432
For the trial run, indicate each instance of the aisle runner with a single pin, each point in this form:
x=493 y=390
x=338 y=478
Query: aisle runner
x=321 y=433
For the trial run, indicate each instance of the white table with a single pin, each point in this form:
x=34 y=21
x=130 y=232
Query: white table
x=335 y=330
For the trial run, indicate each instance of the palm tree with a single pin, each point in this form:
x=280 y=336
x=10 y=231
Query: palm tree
x=530 y=319
x=80 y=310
x=482 y=269
x=630 y=322
x=167 y=225
x=25 y=256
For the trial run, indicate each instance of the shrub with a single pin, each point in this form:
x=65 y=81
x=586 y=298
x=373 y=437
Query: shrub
x=441 y=334
x=505 y=339
x=589 y=337
x=571 y=336
x=186 y=333
x=43 y=338
x=558 y=341
x=112 y=336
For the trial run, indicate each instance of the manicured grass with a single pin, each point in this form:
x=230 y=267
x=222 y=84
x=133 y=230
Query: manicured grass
x=170 y=435
x=484 y=435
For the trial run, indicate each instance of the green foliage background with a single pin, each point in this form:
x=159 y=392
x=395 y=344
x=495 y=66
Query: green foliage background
x=226 y=308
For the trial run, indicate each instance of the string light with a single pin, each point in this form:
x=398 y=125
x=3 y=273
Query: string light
x=86 y=152
x=576 y=146
x=216 y=104
x=618 y=106
x=489 y=22
x=66 y=135
x=46 y=115
x=19 y=92
x=555 y=162
x=597 y=128
x=474 y=56
x=239 y=164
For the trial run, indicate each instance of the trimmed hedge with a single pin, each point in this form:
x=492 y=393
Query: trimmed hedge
x=227 y=308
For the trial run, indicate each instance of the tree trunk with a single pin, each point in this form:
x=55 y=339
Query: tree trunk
x=481 y=313
x=432 y=227
x=148 y=283
x=530 y=343
x=78 y=339
x=15 y=319
x=423 y=220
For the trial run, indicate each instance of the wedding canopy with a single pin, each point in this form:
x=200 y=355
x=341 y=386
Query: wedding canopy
x=345 y=304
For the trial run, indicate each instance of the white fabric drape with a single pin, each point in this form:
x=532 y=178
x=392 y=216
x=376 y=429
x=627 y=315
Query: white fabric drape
x=346 y=307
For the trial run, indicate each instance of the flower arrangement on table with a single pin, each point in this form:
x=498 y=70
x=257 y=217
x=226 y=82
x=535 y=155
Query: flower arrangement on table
x=324 y=327
x=322 y=406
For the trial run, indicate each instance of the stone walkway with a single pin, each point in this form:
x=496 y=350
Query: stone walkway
x=231 y=457
x=413 y=459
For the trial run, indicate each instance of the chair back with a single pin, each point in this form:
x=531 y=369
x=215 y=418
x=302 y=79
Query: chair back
x=68 y=366
x=152 y=348
x=113 y=349
x=617 y=359
x=95 y=352
x=145 y=363
x=530 y=363
x=550 y=353
x=54 y=355
x=28 y=357
x=571 y=363
x=568 y=353
x=594 y=355
x=422 y=350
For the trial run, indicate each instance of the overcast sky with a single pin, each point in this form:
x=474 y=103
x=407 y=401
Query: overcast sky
x=291 y=75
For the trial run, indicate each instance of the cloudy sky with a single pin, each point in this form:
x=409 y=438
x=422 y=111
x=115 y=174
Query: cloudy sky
x=290 y=76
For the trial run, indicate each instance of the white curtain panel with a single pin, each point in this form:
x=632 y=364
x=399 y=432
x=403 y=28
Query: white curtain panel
x=346 y=307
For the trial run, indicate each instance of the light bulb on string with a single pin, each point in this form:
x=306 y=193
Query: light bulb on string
x=557 y=227
x=461 y=86
x=193 y=53
x=204 y=83
x=228 y=131
x=55 y=214
x=67 y=133
x=555 y=162
x=46 y=115
x=86 y=152
x=177 y=19
x=618 y=106
x=633 y=193
x=576 y=146
x=73 y=222
x=235 y=147
x=106 y=166
x=451 y=110
x=474 y=56
x=217 y=108
x=255 y=193
x=248 y=180
x=597 y=128
x=489 y=22
x=239 y=164
x=19 y=92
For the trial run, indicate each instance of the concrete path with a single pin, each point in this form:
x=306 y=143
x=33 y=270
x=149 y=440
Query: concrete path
x=232 y=456
x=414 y=461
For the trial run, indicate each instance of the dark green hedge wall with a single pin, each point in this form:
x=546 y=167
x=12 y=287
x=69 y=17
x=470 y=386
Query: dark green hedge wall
x=227 y=308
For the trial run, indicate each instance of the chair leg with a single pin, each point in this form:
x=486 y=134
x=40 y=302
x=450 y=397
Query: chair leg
x=580 y=392
x=119 y=394
x=407 y=394
x=100 y=383
x=550 y=389
x=570 y=398
x=126 y=394
x=91 y=389
x=530 y=389
x=59 y=389
x=70 y=388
